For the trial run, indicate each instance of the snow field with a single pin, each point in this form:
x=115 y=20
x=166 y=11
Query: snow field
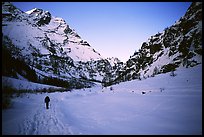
x=174 y=106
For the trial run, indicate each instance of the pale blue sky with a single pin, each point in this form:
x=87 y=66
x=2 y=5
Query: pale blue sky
x=114 y=29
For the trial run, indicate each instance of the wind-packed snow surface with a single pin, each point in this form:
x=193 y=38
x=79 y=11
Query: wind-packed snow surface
x=170 y=105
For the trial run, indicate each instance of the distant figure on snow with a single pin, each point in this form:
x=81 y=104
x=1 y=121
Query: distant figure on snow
x=47 y=100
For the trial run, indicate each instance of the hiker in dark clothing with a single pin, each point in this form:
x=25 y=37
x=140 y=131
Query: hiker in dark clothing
x=47 y=100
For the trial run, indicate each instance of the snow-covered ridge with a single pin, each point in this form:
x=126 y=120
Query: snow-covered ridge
x=34 y=10
x=30 y=11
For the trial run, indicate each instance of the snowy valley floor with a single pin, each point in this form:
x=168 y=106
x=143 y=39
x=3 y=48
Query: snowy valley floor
x=171 y=105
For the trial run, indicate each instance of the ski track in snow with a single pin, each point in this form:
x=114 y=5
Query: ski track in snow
x=42 y=123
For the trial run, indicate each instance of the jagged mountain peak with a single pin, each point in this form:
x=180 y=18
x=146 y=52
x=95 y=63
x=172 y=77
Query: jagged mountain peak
x=40 y=16
x=48 y=34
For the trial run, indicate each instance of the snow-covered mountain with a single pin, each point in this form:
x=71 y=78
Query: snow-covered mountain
x=179 y=45
x=47 y=48
x=37 y=31
x=44 y=49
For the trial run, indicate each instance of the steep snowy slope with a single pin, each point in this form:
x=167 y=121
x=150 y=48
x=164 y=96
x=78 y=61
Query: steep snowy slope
x=178 y=45
x=18 y=84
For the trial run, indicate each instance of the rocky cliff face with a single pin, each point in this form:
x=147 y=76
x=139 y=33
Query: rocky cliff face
x=179 y=45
